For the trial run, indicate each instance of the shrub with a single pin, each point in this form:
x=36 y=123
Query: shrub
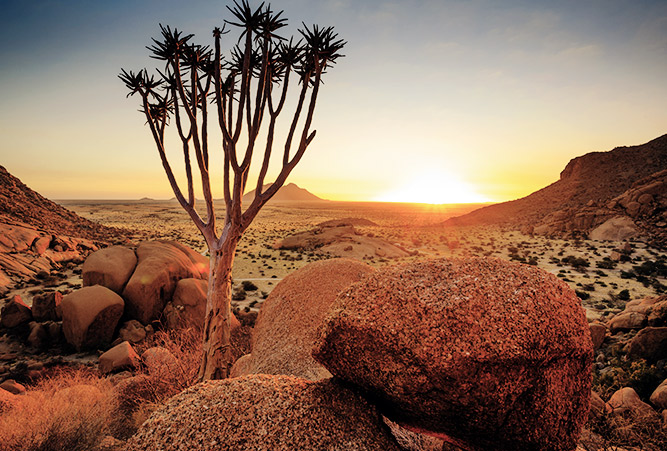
x=70 y=409
x=624 y=295
x=248 y=285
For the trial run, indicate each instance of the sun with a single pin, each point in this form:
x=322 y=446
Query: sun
x=435 y=187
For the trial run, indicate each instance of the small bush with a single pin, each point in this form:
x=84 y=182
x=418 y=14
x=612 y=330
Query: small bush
x=624 y=295
x=248 y=285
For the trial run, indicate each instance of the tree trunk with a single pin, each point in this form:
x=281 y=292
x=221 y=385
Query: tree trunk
x=217 y=352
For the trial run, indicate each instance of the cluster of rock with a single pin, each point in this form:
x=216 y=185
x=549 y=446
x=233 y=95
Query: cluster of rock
x=118 y=283
x=340 y=238
x=638 y=332
x=38 y=235
x=482 y=353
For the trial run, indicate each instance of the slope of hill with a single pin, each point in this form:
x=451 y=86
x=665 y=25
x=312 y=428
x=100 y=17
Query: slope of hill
x=18 y=203
x=581 y=200
x=288 y=193
x=38 y=235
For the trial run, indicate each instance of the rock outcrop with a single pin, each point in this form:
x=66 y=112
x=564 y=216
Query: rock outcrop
x=484 y=351
x=161 y=264
x=37 y=234
x=90 y=316
x=110 y=267
x=262 y=412
x=615 y=194
x=286 y=327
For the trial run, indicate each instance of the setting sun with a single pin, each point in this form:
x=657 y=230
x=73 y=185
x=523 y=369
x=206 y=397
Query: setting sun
x=435 y=187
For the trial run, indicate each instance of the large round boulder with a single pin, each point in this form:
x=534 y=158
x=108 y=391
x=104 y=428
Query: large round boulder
x=484 y=351
x=110 y=267
x=188 y=305
x=161 y=264
x=286 y=328
x=90 y=316
x=262 y=412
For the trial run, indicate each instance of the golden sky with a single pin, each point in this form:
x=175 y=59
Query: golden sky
x=435 y=101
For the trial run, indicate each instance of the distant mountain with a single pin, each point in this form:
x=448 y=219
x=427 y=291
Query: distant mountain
x=288 y=193
x=20 y=204
x=586 y=195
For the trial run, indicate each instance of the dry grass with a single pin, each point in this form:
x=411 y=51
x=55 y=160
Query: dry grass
x=612 y=433
x=71 y=409
x=74 y=409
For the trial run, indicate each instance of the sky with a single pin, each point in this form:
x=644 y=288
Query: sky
x=435 y=101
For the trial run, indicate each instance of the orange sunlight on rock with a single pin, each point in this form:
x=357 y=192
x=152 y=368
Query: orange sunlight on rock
x=435 y=187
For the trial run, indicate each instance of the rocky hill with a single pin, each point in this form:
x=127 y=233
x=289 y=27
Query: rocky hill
x=38 y=235
x=593 y=189
x=20 y=204
x=288 y=193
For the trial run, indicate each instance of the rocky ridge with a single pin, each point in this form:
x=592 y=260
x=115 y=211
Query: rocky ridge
x=626 y=182
x=38 y=236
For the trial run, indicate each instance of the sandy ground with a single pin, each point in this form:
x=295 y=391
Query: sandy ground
x=416 y=227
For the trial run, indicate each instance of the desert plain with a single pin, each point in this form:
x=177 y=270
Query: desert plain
x=418 y=228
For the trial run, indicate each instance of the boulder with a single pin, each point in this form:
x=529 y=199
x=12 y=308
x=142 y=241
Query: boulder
x=262 y=412
x=659 y=396
x=110 y=267
x=618 y=228
x=90 y=316
x=12 y=387
x=484 y=351
x=41 y=244
x=286 y=328
x=242 y=366
x=15 y=313
x=131 y=392
x=188 y=305
x=643 y=305
x=650 y=344
x=46 y=306
x=625 y=402
x=161 y=264
x=658 y=315
x=132 y=331
x=627 y=320
x=119 y=357
x=598 y=406
x=598 y=332
x=38 y=336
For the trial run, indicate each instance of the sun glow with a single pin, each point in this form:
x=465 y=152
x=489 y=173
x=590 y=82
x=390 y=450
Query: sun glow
x=435 y=187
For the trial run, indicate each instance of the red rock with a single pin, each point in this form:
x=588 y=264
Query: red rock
x=598 y=406
x=286 y=327
x=650 y=343
x=15 y=313
x=132 y=331
x=12 y=387
x=659 y=396
x=598 y=332
x=627 y=320
x=160 y=266
x=188 y=305
x=626 y=402
x=119 y=357
x=40 y=245
x=261 y=412
x=466 y=348
x=242 y=366
x=658 y=315
x=38 y=336
x=90 y=316
x=110 y=267
x=46 y=307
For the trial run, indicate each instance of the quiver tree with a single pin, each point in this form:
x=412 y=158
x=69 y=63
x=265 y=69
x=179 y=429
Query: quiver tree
x=248 y=89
